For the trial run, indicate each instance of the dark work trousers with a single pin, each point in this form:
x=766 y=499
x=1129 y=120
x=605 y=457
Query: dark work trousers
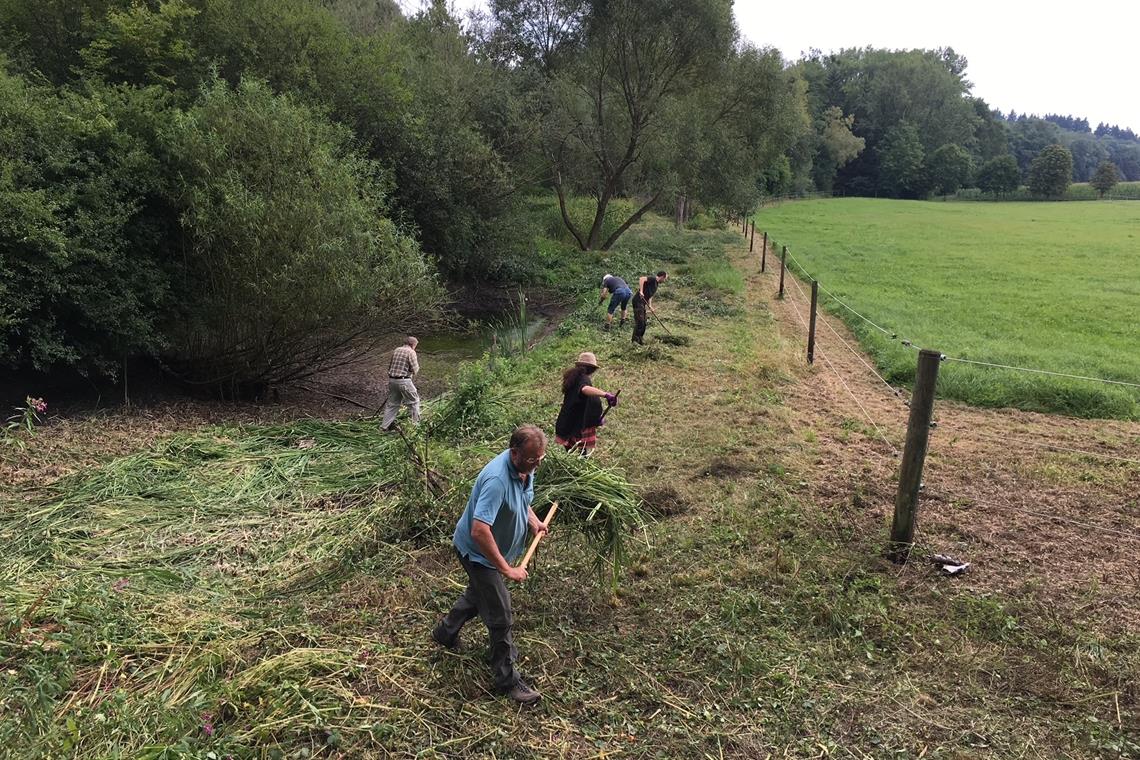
x=486 y=596
x=640 y=318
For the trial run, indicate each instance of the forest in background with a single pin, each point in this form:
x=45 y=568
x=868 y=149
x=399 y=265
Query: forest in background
x=245 y=192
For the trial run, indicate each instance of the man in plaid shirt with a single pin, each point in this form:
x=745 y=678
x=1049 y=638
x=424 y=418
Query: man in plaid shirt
x=404 y=366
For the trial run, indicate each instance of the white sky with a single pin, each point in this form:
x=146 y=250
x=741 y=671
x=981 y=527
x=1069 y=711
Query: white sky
x=1032 y=57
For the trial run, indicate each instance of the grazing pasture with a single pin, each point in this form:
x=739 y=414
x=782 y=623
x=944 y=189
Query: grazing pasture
x=1049 y=286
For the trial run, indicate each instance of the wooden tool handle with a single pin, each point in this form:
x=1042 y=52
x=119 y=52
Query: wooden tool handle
x=536 y=539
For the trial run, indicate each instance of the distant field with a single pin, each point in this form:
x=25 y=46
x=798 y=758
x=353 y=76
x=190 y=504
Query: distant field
x=1078 y=191
x=1054 y=286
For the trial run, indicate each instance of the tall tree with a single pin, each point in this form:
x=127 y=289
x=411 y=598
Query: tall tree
x=1051 y=172
x=901 y=171
x=837 y=146
x=883 y=89
x=612 y=108
x=999 y=175
x=1088 y=154
x=1028 y=137
x=949 y=168
x=1105 y=177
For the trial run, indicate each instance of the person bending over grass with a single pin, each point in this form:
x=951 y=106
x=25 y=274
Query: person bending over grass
x=581 y=412
x=488 y=538
x=620 y=295
x=642 y=301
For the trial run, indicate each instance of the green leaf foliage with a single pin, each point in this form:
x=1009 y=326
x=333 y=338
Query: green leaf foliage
x=82 y=270
x=1051 y=172
x=949 y=168
x=289 y=249
x=999 y=175
x=1105 y=177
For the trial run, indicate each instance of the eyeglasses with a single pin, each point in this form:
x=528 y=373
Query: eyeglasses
x=531 y=460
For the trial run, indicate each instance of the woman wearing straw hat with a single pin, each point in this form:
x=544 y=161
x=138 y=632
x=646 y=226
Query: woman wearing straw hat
x=581 y=413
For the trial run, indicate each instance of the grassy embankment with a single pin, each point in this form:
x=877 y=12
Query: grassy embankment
x=1047 y=286
x=267 y=592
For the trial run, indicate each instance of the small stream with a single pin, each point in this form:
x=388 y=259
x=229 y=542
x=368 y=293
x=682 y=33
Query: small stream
x=441 y=354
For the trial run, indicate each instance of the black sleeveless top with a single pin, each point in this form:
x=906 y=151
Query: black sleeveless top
x=578 y=412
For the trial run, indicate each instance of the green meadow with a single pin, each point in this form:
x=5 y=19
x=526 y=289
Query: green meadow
x=1049 y=286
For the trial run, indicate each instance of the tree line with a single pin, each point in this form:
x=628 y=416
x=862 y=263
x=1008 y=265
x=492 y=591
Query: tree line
x=246 y=191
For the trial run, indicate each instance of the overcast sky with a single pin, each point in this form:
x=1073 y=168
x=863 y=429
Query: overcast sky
x=1032 y=57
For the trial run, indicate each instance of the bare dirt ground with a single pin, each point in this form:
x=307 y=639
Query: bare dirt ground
x=1042 y=506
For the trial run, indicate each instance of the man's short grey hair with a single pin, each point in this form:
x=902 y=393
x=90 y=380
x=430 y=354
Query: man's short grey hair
x=411 y=340
x=525 y=434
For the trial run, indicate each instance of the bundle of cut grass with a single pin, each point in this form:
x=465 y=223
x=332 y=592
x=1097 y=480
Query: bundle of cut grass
x=675 y=340
x=597 y=500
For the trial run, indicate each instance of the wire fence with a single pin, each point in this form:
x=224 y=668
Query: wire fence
x=1007 y=439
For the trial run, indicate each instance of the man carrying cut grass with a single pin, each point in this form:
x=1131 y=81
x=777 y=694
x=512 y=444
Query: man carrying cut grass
x=490 y=536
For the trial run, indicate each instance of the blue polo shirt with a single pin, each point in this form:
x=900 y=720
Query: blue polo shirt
x=500 y=500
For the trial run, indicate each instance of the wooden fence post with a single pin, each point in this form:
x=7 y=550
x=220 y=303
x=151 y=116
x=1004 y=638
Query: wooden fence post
x=783 y=267
x=811 y=327
x=764 y=253
x=752 y=238
x=914 y=454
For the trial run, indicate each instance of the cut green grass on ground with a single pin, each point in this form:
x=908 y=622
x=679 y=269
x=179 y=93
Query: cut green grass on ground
x=1051 y=286
x=268 y=591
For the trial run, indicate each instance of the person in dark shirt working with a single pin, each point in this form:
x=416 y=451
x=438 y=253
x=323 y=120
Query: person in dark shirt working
x=642 y=301
x=581 y=412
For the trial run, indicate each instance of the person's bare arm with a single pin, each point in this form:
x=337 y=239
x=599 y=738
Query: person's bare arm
x=589 y=390
x=481 y=534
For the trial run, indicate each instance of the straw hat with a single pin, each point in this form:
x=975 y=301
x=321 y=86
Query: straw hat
x=588 y=359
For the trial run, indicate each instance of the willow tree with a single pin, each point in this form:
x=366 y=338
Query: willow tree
x=640 y=98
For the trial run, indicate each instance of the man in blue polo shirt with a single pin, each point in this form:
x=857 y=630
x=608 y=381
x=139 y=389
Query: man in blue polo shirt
x=490 y=536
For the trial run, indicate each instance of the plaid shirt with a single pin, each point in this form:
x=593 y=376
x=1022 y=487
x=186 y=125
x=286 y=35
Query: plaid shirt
x=404 y=362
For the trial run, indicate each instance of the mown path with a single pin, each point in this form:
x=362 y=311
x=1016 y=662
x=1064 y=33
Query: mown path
x=756 y=618
x=759 y=620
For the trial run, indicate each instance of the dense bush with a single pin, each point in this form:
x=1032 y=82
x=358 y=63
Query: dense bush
x=82 y=277
x=290 y=254
x=999 y=175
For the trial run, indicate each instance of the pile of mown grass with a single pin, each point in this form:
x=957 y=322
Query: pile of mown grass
x=154 y=600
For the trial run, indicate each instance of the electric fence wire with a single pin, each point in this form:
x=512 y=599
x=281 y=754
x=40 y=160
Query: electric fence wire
x=1004 y=440
x=889 y=333
x=823 y=355
x=1128 y=535
x=894 y=391
x=1086 y=525
x=1042 y=372
x=909 y=344
x=894 y=335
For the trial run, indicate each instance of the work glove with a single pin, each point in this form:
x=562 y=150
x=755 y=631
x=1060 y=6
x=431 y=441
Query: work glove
x=611 y=399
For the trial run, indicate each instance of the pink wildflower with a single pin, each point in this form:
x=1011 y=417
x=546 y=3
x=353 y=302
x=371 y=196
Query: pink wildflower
x=36 y=403
x=208 y=724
